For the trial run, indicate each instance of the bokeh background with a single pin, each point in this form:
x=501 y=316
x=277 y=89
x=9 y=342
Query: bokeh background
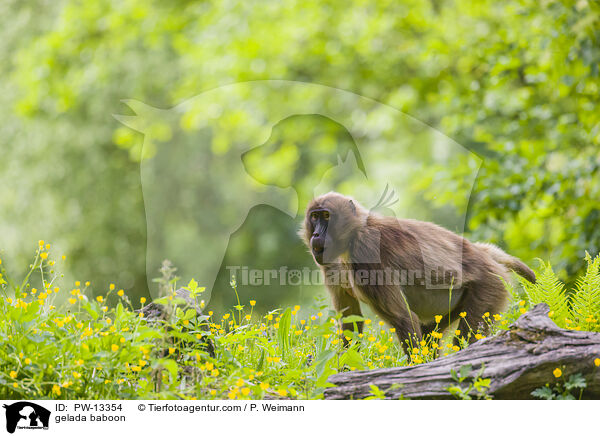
x=516 y=83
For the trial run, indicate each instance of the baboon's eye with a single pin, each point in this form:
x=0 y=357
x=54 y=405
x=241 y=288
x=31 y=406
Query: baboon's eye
x=326 y=215
x=314 y=216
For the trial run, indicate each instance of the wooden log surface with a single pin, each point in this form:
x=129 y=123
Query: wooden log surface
x=517 y=361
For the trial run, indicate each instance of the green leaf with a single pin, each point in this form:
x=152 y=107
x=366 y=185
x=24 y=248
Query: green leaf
x=192 y=285
x=90 y=310
x=353 y=359
x=322 y=360
x=544 y=393
x=283 y=333
x=576 y=381
x=352 y=318
x=169 y=364
x=465 y=370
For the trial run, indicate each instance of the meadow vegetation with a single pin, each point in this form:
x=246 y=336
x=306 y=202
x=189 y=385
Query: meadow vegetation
x=60 y=342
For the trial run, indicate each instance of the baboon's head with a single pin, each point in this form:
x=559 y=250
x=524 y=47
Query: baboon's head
x=329 y=224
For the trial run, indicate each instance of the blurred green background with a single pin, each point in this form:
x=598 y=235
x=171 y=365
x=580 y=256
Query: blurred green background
x=515 y=82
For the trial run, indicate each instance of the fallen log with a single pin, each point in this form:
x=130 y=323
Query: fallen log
x=517 y=361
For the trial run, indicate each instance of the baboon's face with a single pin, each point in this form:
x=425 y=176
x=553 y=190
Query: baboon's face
x=328 y=224
x=319 y=222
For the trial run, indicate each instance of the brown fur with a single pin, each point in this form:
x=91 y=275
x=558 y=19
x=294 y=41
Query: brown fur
x=359 y=242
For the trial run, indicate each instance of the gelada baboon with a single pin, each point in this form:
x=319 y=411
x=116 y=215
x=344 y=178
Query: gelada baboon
x=407 y=271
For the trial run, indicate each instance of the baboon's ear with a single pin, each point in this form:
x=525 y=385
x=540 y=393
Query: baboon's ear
x=353 y=207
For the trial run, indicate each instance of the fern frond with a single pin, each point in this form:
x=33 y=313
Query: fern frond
x=514 y=293
x=585 y=300
x=550 y=290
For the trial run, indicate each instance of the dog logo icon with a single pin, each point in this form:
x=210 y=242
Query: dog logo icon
x=26 y=415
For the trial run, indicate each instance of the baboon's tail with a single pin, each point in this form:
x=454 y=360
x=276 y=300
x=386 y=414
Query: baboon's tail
x=507 y=260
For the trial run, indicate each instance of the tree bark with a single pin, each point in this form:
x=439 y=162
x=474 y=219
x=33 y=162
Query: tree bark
x=517 y=361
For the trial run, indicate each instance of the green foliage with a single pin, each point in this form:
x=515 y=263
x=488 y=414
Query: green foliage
x=68 y=345
x=577 y=309
x=550 y=290
x=514 y=81
x=585 y=300
x=476 y=389
x=563 y=389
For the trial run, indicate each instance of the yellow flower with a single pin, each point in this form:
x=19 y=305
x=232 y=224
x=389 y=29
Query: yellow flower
x=114 y=347
x=13 y=374
x=245 y=391
x=142 y=300
x=86 y=283
x=462 y=314
x=79 y=362
x=479 y=336
x=41 y=242
x=15 y=385
x=121 y=292
x=252 y=302
x=438 y=318
x=557 y=372
x=486 y=315
x=56 y=390
x=112 y=287
x=264 y=385
x=226 y=316
x=597 y=362
x=455 y=347
x=392 y=330
x=44 y=255
x=209 y=366
x=240 y=382
x=76 y=374
x=72 y=300
x=248 y=317
x=457 y=332
x=136 y=368
x=214 y=372
x=522 y=303
x=171 y=350
x=282 y=392
x=497 y=317
x=47 y=246
x=77 y=283
x=27 y=361
x=213 y=392
x=522 y=310
x=99 y=298
x=296 y=308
